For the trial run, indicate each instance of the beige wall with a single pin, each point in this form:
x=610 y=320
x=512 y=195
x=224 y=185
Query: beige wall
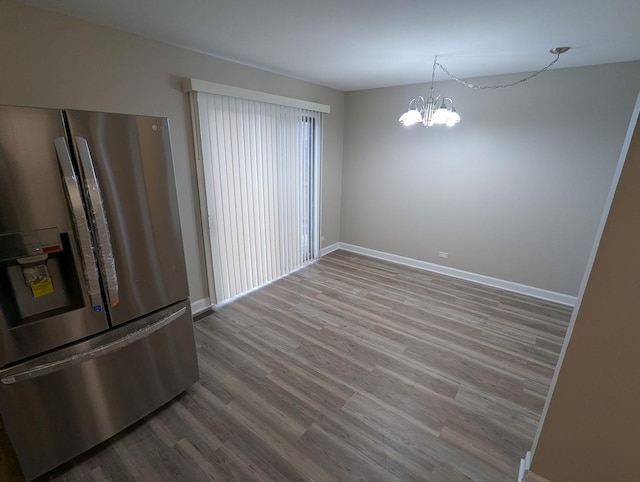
x=591 y=429
x=49 y=60
x=514 y=192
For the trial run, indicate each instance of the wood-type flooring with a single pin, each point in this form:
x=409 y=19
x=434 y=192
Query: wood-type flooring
x=351 y=369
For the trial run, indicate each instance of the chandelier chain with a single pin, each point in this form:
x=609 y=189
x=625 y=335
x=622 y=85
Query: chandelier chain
x=483 y=87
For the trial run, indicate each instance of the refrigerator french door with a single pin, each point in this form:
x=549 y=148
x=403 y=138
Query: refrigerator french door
x=95 y=320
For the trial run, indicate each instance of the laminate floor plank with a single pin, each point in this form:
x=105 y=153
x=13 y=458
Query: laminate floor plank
x=420 y=440
x=351 y=369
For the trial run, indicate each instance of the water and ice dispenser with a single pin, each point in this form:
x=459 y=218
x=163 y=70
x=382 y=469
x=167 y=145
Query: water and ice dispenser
x=38 y=276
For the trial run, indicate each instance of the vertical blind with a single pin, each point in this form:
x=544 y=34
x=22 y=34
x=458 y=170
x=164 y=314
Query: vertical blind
x=260 y=164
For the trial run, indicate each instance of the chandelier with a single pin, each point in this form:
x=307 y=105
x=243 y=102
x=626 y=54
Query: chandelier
x=439 y=110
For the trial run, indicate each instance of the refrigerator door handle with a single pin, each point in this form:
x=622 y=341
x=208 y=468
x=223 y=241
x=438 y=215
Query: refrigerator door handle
x=101 y=350
x=83 y=234
x=107 y=260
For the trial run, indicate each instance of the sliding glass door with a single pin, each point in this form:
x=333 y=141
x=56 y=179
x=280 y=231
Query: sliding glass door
x=261 y=172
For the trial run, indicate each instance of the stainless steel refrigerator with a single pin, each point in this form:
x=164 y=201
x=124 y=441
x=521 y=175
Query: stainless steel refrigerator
x=95 y=321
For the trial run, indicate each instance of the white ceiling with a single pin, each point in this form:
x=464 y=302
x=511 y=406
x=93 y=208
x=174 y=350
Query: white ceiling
x=360 y=44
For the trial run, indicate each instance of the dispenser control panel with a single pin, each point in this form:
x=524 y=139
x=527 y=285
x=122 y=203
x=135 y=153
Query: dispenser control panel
x=32 y=243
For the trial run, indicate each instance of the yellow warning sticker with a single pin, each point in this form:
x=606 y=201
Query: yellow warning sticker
x=41 y=287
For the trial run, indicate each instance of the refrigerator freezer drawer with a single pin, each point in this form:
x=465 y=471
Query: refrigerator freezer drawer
x=58 y=406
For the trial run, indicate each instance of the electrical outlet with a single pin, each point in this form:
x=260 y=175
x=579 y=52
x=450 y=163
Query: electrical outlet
x=443 y=254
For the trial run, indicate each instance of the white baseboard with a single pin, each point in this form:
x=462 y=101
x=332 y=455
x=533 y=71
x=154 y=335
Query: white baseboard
x=200 y=305
x=539 y=293
x=329 y=249
x=525 y=465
